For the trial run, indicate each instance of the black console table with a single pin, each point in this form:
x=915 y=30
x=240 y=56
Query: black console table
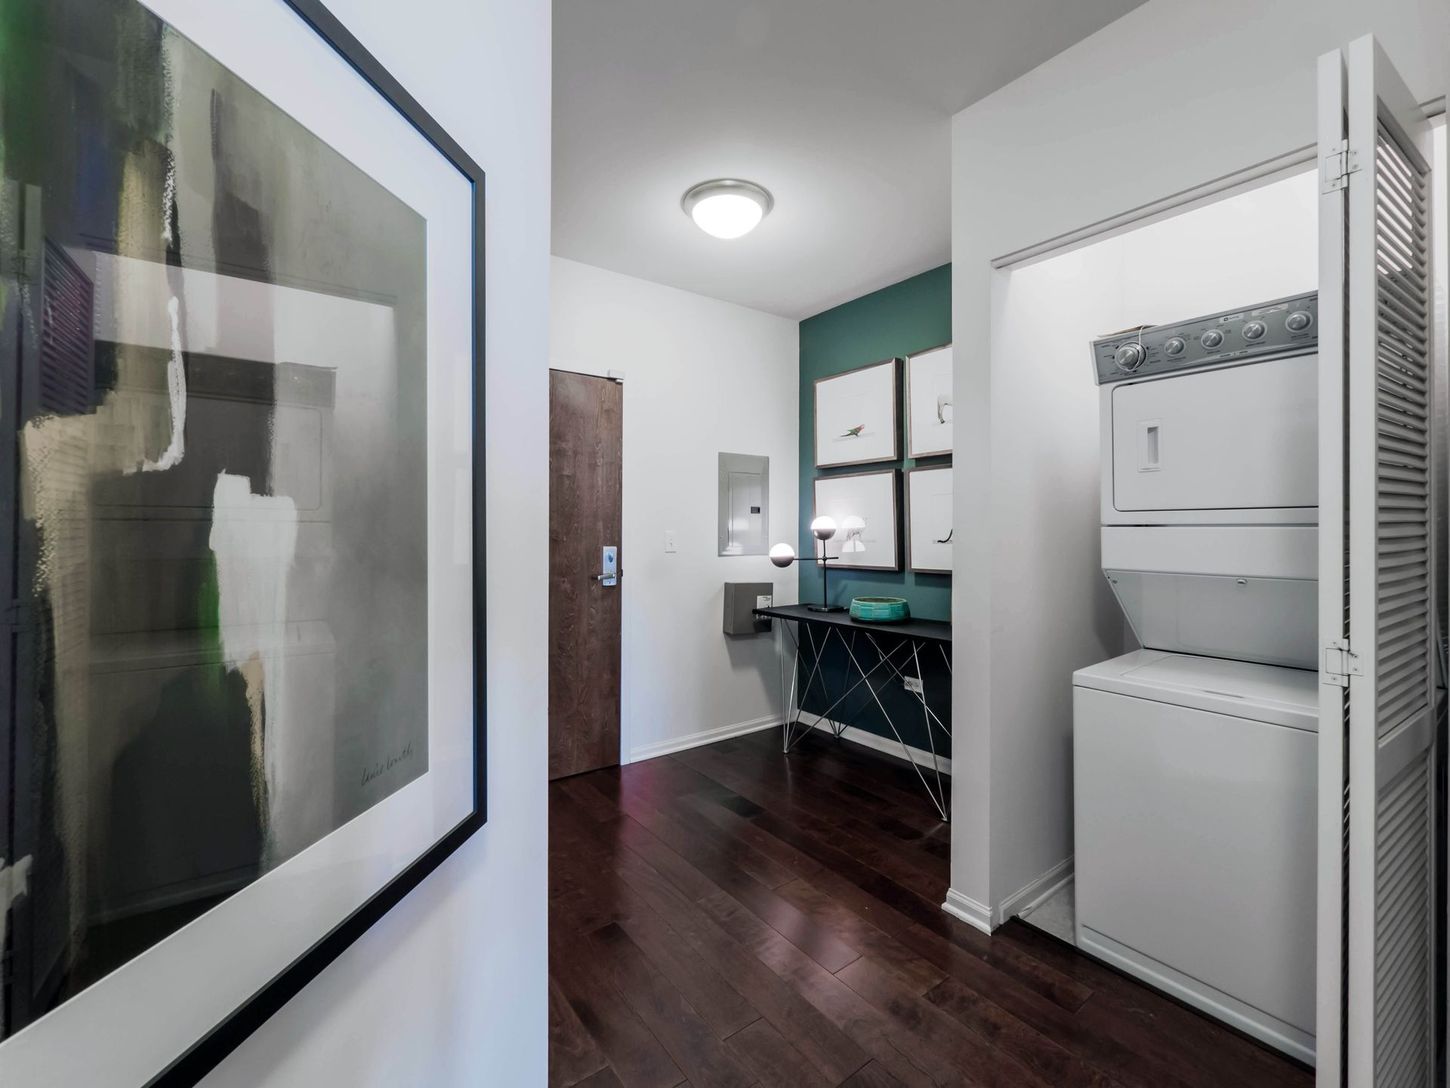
x=896 y=645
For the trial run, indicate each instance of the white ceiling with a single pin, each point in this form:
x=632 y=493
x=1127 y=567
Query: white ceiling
x=841 y=108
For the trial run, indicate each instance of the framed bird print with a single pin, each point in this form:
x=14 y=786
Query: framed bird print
x=856 y=416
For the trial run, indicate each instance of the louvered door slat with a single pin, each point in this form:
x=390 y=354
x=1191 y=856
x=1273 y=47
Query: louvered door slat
x=1402 y=661
x=1398 y=297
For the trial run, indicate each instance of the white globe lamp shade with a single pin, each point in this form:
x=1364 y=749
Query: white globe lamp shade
x=727 y=207
x=782 y=555
x=824 y=527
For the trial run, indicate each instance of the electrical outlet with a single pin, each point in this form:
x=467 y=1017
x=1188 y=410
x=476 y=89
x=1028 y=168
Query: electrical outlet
x=672 y=542
x=913 y=684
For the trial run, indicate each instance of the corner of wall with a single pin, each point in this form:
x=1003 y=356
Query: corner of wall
x=966 y=909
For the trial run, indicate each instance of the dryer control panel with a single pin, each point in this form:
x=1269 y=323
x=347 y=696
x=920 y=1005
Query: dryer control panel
x=1288 y=326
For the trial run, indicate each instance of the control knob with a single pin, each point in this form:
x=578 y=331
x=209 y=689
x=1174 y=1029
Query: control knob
x=1211 y=339
x=1174 y=345
x=1254 y=330
x=1298 y=321
x=1130 y=357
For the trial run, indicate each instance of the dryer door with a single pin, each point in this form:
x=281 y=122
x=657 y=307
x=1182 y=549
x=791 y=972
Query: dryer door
x=1239 y=438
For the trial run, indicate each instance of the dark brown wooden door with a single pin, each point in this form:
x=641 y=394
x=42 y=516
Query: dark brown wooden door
x=586 y=419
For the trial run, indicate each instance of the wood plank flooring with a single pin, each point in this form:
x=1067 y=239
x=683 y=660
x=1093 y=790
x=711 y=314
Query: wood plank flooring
x=734 y=917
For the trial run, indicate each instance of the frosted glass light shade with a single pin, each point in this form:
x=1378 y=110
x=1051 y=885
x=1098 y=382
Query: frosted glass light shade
x=727 y=208
x=824 y=527
x=782 y=555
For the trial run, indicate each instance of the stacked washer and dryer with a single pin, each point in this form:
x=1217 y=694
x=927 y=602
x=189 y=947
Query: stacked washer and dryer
x=1195 y=756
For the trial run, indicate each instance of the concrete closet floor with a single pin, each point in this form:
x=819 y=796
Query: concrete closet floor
x=731 y=916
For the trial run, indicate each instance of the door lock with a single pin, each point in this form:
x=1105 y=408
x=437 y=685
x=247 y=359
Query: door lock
x=609 y=562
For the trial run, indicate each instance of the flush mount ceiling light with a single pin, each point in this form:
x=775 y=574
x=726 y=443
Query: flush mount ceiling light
x=727 y=207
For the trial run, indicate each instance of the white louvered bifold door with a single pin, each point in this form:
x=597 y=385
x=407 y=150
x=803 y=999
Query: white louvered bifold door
x=1377 y=732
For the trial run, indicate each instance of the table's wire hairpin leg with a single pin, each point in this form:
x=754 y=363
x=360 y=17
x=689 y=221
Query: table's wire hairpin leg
x=931 y=715
x=795 y=693
x=926 y=719
x=937 y=795
x=818 y=669
x=790 y=717
x=839 y=728
x=793 y=735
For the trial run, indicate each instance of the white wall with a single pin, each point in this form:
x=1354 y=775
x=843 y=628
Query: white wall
x=702 y=377
x=1057 y=611
x=1171 y=97
x=450 y=987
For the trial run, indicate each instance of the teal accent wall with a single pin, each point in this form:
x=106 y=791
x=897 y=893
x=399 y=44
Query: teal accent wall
x=903 y=319
x=899 y=320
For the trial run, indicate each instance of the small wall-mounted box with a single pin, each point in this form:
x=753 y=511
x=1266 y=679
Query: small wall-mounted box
x=741 y=600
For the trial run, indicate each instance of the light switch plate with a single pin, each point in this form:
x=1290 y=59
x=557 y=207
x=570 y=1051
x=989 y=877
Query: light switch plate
x=672 y=543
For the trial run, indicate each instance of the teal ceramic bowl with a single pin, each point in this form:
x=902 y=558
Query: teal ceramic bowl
x=879 y=609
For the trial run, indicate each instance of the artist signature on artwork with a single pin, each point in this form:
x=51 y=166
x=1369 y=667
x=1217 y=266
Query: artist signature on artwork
x=382 y=767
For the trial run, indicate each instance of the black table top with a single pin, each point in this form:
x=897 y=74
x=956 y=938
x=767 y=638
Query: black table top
x=927 y=630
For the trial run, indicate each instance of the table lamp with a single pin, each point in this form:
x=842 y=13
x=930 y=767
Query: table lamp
x=823 y=529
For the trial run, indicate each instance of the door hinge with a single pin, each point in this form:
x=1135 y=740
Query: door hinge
x=1334 y=171
x=1340 y=663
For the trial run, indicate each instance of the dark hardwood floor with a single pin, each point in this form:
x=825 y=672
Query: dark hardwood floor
x=731 y=916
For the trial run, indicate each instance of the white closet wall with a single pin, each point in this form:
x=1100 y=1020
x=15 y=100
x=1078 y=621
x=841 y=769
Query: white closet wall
x=1058 y=614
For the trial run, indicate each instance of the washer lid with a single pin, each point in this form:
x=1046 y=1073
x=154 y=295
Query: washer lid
x=1243 y=689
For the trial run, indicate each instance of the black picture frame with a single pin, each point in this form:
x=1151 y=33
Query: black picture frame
x=211 y=1049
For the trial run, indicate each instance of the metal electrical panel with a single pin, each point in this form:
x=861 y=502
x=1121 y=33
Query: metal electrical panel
x=744 y=504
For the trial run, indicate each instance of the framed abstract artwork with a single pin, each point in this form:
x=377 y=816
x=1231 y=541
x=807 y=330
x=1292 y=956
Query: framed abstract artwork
x=929 y=403
x=864 y=507
x=856 y=416
x=929 y=531
x=241 y=375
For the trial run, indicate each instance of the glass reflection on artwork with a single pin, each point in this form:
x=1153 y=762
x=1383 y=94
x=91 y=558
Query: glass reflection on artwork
x=212 y=491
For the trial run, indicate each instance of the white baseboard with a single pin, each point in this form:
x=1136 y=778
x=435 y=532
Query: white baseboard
x=1023 y=899
x=705 y=736
x=968 y=910
x=889 y=745
x=1033 y=892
